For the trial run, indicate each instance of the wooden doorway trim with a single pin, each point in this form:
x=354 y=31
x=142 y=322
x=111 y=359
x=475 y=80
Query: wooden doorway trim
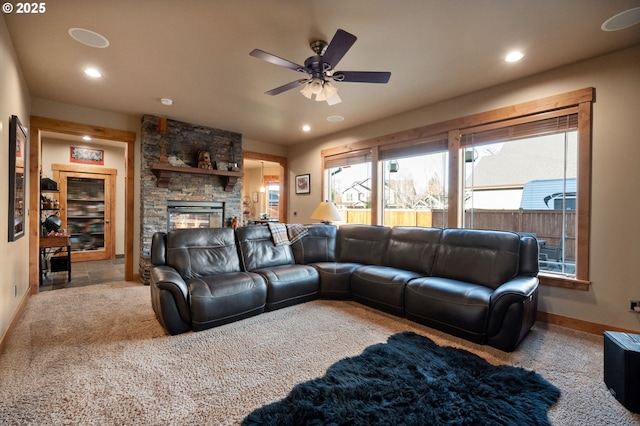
x=41 y=124
x=284 y=181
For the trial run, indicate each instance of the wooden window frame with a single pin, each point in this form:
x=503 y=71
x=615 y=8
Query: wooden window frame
x=580 y=100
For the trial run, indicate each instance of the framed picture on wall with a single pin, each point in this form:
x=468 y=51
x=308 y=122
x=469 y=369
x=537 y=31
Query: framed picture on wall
x=17 y=150
x=303 y=184
x=84 y=155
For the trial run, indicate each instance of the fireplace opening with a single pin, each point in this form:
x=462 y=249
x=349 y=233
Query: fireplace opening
x=194 y=214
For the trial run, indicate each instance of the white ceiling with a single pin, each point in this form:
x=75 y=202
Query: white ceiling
x=197 y=53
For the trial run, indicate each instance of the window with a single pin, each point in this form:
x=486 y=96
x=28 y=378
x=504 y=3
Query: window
x=524 y=168
x=349 y=185
x=415 y=190
x=273 y=199
x=526 y=184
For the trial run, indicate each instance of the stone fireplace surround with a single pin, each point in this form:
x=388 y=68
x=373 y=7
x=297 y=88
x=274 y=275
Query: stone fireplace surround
x=183 y=141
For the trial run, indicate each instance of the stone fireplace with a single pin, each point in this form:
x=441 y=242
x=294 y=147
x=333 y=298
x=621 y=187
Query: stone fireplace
x=180 y=185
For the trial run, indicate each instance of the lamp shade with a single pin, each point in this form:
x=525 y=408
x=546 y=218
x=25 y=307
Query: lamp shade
x=326 y=212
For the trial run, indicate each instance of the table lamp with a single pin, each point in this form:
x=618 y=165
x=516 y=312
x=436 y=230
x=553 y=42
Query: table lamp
x=326 y=212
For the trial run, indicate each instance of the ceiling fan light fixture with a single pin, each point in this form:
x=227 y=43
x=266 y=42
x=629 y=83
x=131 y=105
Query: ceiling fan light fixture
x=306 y=90
x=316 y=86
x=335 y=99
x=329 y=89
x=320 y=69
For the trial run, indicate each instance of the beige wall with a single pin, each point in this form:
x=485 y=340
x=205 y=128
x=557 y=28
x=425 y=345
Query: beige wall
x=14 y=262
x=615 y=228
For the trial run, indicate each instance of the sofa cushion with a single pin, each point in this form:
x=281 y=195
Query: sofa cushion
x=258 y=249
x=364 y=244
x=224 y=298
x=335 y=279
x=381 y=287
x=460 y=308
x=202 y=252
x=488 y=258
x=413 y=249
x=289 y=285
x=318 y=245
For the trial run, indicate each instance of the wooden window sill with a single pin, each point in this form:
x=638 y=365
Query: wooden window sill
x=553 y=280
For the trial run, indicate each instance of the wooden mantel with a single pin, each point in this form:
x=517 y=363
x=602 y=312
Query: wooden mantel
x=164 y=172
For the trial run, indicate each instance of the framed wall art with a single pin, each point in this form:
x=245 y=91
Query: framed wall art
x=17 y=156
x=84 y=155
x=303 y=184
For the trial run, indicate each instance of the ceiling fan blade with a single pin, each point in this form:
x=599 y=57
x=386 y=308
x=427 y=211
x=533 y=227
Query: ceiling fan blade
x=260 y=54
x=362 y=76
x=338 y=46
x=285 y=87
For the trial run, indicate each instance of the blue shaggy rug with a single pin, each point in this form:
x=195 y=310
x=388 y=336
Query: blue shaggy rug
x=412 y=381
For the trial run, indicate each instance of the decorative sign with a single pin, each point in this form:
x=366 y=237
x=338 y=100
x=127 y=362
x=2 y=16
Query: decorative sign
x=86 y=155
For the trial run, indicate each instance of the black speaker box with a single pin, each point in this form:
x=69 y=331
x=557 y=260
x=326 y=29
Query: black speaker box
x=622 y=368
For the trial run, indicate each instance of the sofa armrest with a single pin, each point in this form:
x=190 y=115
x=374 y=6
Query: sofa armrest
x=518 y=290
x=166 y=278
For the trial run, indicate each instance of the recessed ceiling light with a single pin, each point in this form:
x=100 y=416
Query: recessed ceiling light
x=622 y=20
x=88 y=38
x=166 y=101
x=92 y=72
x=514 y=56
x=86 y=138
x=306 y=128
x=335 y=118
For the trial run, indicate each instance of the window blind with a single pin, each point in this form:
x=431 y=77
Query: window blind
x=348 y=159
x=431 y=145
x=554 y=122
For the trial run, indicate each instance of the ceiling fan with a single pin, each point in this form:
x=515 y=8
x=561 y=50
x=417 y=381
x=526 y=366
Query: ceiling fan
x=321 y=69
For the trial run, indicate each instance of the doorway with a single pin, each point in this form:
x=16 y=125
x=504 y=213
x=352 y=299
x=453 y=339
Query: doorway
x=87 y=210
x=262 y=171
x=39 y=126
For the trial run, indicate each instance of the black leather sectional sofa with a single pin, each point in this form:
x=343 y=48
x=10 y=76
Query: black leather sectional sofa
x=479 y=285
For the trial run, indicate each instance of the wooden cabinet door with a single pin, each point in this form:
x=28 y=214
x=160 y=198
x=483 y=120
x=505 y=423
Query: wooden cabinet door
x=87 y=210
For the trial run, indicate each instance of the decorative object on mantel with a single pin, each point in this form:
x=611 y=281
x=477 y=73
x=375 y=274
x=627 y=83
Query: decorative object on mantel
x=176 y=162
x=204 y=160
x=162 y=129
x=233 y=165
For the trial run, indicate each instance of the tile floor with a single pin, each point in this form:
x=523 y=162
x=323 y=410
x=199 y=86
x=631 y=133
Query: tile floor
x=86 y=273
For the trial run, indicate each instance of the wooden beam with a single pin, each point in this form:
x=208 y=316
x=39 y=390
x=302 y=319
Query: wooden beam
x=78 y=129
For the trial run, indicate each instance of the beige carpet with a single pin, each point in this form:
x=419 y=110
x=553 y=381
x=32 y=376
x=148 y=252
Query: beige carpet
x=97 y=356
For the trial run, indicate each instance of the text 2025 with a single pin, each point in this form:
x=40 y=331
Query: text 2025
x=31 y=7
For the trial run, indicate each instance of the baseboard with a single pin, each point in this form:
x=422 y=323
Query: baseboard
x=14 y=321
x=580 y=325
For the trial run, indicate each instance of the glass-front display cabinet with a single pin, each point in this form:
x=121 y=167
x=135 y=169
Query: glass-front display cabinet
x=86 y=213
